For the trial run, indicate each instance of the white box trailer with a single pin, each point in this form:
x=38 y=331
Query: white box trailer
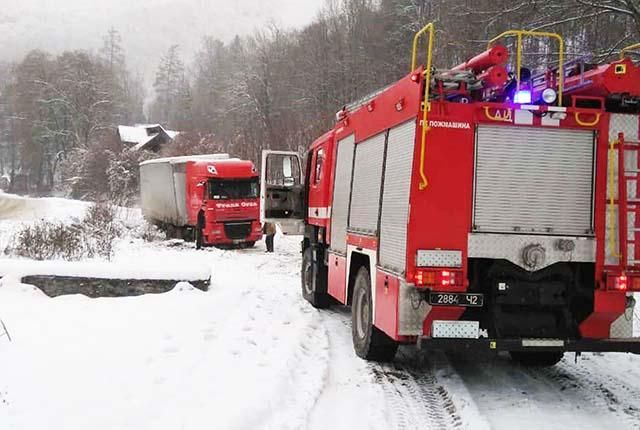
x=163 y=185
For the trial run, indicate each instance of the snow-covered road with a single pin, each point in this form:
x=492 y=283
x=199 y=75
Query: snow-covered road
x=251 y=354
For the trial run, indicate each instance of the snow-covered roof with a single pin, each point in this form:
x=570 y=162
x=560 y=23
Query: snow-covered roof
x=183 y=159
x=143 y=143
x=141 y=134
x=132 y=134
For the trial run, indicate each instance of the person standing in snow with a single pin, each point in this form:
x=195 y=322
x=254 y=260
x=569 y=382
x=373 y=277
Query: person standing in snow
x=269 y=229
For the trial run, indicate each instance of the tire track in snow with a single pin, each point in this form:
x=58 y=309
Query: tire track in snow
x=564 y=396
x=417 y=399
x=411 y=395
x=602 y=390
x=303 y=385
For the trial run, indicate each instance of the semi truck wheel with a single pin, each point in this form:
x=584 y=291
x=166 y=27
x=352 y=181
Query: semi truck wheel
x=537 y=359
x=311 y=282
x=368 y=342
x=187 y=234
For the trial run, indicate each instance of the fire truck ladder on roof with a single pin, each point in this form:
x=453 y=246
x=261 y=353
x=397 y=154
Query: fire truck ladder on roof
x=627 y=179
x=519 y=34
x=547 y=78
x=353 y=106
x=429 y=31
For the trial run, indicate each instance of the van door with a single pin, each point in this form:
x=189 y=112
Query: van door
x=282 y=191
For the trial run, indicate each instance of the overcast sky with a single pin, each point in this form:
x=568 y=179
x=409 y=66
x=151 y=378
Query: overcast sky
x=148 y=27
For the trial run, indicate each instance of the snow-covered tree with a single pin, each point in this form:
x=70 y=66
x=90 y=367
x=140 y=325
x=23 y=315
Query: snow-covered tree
x=168 y=85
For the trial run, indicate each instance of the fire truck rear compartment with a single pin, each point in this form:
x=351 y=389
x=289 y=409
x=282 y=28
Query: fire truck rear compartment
x=531 y=185
x=548 y=303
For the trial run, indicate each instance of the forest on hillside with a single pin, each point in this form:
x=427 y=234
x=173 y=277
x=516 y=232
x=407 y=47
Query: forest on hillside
x=277 y=88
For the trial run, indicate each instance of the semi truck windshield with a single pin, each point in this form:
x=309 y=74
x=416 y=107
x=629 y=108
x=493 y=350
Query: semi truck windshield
x=227 y=189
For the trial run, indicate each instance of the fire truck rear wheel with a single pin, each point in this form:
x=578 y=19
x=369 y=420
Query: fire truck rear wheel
x=318 y=299
x=537 y=359
x=368 y=342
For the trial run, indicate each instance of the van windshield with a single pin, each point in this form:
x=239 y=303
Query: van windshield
x=228 y=189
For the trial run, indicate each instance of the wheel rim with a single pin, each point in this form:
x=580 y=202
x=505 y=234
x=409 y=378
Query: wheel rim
x=362 y=316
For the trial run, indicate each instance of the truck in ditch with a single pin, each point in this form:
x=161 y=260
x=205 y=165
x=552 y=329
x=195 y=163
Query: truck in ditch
x=212 y=199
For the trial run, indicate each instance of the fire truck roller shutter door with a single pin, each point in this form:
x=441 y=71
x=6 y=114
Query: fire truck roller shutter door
x=534 y=180
x=341 y=193
x=367 y=178
x=395 y=198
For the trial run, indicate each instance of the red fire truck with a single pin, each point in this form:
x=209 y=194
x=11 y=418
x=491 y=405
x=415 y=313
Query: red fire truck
x=477 y=208
x=213 y=198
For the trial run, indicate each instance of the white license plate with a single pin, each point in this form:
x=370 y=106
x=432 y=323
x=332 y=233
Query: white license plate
x=456 y=299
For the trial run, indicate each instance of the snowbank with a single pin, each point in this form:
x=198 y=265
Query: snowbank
x=18 y=208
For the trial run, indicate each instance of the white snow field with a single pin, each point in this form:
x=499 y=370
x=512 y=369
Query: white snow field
x=251 y=354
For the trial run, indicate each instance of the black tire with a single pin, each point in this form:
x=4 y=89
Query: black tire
x=368 y=342
x=537 y=359
x=187 y=234
x=199 y=238
x=313 y=287
x=171 y=231
x=249 y=244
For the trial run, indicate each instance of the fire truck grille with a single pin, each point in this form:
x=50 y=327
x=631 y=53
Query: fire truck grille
x=237 y=230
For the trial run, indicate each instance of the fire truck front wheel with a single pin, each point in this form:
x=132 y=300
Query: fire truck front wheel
x=368 y=342
x=311 y=283
x=537 y=359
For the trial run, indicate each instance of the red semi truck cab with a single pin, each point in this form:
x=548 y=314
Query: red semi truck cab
x=224 y=202
x=212 y=198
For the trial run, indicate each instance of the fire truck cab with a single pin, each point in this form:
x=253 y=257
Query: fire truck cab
x=476 y=208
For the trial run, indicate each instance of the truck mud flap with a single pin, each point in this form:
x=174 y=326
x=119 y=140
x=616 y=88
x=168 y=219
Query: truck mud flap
x=631 y=345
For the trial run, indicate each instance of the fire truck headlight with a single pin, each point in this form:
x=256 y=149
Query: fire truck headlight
x=549 y=95
x=522 y=96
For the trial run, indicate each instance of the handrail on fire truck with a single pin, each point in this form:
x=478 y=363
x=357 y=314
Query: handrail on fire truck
x=429 y=31
x=611 y=179
x=519 y=34
x=626 y=49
